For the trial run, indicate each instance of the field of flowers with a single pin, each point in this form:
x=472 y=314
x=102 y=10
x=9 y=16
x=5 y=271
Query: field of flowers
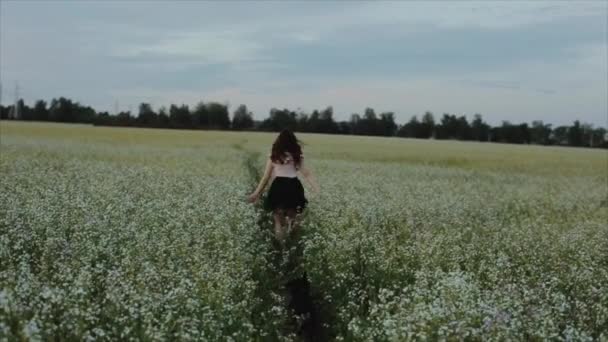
x=143 y=234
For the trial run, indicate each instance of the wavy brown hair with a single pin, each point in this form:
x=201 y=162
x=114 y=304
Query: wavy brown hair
x=286 y=142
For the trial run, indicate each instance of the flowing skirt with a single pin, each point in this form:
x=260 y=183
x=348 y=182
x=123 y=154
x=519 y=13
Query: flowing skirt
x=285 y=193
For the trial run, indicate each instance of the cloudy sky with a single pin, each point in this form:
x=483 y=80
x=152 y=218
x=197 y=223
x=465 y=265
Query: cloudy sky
x=516 y=61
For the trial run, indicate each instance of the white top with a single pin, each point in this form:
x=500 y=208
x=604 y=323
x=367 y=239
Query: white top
x=287 y=169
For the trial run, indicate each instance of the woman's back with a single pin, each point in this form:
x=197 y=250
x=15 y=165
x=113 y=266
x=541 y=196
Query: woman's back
x=285 y=167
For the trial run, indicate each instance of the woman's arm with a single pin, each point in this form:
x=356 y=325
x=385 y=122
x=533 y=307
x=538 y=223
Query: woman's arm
x=309 y=177
x=267 y=171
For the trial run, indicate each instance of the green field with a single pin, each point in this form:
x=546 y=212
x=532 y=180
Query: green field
x=145 y=234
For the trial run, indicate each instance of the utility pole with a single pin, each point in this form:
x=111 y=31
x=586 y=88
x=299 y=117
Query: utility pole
x=17 y=96
x=15 y=112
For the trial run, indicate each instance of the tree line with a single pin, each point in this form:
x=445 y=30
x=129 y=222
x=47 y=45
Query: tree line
x=214 y=115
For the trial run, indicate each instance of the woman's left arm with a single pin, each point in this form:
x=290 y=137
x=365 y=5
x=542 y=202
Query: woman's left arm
x=267 y=171
x=308 y=176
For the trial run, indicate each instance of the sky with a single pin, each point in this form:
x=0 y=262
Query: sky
x=515 y=61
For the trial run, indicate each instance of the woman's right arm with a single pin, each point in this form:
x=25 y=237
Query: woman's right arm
x=267 y=172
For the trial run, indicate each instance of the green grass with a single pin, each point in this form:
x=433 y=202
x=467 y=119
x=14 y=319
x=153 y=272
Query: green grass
x=542 y=160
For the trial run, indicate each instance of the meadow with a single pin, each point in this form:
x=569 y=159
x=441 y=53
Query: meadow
x=145 y=234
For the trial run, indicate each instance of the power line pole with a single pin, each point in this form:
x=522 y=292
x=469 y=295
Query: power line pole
x=15 y=112
x=17 y=97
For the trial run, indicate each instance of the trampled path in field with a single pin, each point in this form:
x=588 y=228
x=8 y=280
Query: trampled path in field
x=307 y=321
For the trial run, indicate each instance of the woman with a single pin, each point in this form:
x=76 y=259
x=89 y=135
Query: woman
x=286 y=195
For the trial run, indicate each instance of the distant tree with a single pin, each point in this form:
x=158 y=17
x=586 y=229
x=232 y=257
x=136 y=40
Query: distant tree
x=62 y=110
x=219 y=118
x=524 y=133
x=507 y=132
x=540 y=133
x=510 y=133
x=344 y=127
x=24 y=112
x=163 y=119
x=314 y=122
x=448 y=128
x=590 y=136
x=179 y=117
x=103 y=118
x=410 y=129
x=200 y=116
x=4 y=112
x=54 y=110
x=146 y=116
x=40 y=112
x=124 y=119
x=387 y=123
x=426 y=128
x=242 y=118
x=302 y=122
x=280 y=119
x=480 y=130
x=84 y=113
x=464 y=130
x=559 y=135
x=355 y=124
x=70 y=111
x=575 y=134
x=326 y=121
x=369 y=114
x=599 y=138
x=369 y=124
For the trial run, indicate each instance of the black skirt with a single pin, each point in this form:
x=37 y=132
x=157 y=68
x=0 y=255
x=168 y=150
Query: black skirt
x=285 y=193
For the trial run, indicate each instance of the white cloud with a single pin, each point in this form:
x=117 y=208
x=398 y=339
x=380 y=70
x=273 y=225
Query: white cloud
x=306 y=37
x=205 y=47
x=472 y=14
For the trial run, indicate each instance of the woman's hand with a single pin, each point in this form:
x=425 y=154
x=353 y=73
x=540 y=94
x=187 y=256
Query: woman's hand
x=253 y=197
